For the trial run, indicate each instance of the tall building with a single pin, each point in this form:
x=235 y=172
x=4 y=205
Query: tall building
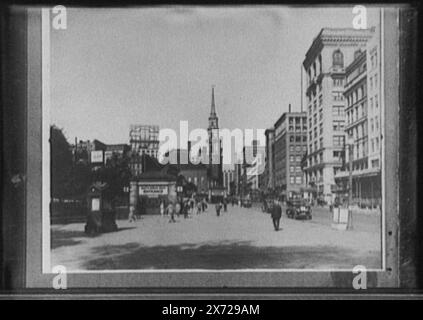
x=254 y=164
x=364 y=125
x=143 y=139
x=215 y=145
x=290 y=145
x=228 y=179
x=269 y=171
x=325 y=61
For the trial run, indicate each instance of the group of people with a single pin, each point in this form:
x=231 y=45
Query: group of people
x=187 y=208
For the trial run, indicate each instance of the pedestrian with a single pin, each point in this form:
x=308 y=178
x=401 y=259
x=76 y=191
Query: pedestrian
x=162 y=208
x=225 y=204
x=185 y=209
x=233 y=201
x=132 y=216
x=178 y=208
x=218 y=208
x=204 y=204
x=198 y=207
x=171 y=212
x=276 y=215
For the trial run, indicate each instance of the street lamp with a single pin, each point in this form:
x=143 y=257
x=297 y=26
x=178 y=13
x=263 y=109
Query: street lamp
x=350 y=143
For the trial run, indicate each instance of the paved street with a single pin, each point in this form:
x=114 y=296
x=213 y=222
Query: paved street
x=239 y=239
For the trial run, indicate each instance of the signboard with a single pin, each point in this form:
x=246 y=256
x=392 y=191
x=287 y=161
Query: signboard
x=97 y=156
x=152 y=190
x=95 y=204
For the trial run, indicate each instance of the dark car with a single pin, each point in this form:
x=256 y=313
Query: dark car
x=298 y=209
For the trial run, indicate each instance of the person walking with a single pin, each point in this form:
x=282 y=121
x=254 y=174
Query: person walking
x=178 y=208
x=225 y=204
x=171 y=212
x=185 y=208
x=276 y=215
x=162 y=208
x=218 y=208
x=204 y=204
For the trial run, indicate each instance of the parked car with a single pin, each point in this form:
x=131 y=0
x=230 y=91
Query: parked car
x=298 y=209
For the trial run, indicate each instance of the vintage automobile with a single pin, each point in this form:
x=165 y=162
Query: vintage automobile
x=298 y=209
x=246 y=202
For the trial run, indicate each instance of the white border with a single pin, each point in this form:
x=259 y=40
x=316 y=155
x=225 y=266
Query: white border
x=45 y=149
x=46 y=226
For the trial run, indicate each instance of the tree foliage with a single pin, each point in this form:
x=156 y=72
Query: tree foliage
x=61 y=163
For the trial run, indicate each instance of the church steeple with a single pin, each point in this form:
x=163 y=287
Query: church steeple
x=213 y=106
x=213 y=120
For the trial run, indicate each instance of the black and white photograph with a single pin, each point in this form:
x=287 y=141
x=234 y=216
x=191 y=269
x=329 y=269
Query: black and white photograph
x=216 y=139
x=210 y=146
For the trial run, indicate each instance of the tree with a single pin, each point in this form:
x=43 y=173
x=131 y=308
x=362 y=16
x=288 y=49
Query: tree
x=116 y=174
x=61 y=163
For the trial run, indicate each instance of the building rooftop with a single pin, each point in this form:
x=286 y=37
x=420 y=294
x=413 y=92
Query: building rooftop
x=335 y=36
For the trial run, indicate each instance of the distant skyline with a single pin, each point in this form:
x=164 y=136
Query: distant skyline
x=115 y=67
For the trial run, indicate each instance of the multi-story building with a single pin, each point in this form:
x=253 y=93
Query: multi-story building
x=290 y=145
x=116 y=149
x=82 y=150
x=325 y=61
x=269 y=171
x=143 y=139
x=254 y=162
x=228 y=178
x=364 y=125
x=238 y=173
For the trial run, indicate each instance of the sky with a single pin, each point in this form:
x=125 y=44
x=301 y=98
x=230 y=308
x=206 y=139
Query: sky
x=112 y=68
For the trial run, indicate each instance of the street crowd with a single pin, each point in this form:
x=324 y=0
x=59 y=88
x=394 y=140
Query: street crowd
x=189 y=207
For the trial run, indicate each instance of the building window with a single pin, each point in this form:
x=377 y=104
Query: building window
x=298 y=180
x=337 y=59
x=338 y=111
x=292 y=179
x=338 y=125
x=338 y=141
x=338 y=96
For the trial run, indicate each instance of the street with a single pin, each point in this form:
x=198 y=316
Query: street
x=239 y=239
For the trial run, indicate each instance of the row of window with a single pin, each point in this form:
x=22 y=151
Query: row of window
x=295 y=179
x=356 y=113
x=358 y=94
x=298 y=148
x=298 y=138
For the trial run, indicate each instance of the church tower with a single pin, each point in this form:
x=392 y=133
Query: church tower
x=215 y=154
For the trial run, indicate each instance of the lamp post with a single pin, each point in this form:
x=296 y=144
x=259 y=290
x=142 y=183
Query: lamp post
x=350 y=143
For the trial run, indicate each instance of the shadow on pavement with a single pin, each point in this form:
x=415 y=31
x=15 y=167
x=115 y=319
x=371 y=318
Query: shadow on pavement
x=224 y=255
x=64 y=238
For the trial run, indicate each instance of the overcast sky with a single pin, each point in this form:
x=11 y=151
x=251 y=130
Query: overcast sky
x=114 y=67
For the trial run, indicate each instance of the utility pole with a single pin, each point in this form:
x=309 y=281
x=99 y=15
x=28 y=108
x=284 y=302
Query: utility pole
x=350 y=183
